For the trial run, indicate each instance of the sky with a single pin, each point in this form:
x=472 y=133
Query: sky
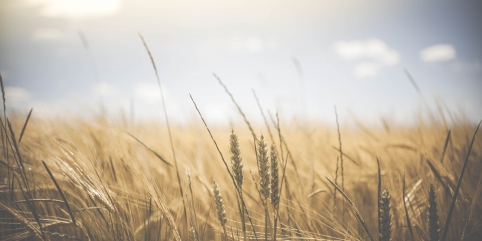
x=301 y=58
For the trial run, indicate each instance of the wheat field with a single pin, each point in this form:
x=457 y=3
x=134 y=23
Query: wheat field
x=112 y=179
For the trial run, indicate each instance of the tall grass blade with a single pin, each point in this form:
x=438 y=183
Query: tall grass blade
x=206 y=222
x=379 y=192
x=25 y=125
x=20 y=160
x=168 y=128
x=93 y=67
x=262 y=113
x=61 y=193
x=237 y=106
x=31 y=227
x=348 y=157
x=355 y=210
x=459 y=183
x=342 y=165
x=409 y=223
x=447 y=139
x=31 y=207
x=226 y=165
x=150 y=149
x=412 y=80
x=9 y=167
x=193 y=213
x=3 y=96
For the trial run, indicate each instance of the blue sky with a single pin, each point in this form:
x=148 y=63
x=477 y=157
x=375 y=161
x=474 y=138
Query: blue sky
x=352 y=55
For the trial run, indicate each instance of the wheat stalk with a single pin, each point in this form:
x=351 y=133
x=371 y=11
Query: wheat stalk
x=459 y=183
x=236 y=160
x=274 y=177
x=385 y=217
x=238 y=173
x=433 y=220
x=168 y=130
x=275 y=194
x=243 y=205
x=220 y=209
x=263 y=167
x=264 y=176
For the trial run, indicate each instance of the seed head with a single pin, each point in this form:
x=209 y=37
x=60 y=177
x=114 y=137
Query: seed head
x=236 y=159
x=192 y=233
x=263 y=167
x=385 y=216
x=274 y=177
x=433 y=220
x=218 y=198
x=189 y=180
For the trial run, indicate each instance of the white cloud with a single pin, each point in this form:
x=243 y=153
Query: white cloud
x=148 y=100
x=438 y=53
x=373 y=49
x=16 y=95
x=217 y=113
x=376 y=51
x=367 y=69
x=105 y=89
x=75 y=8
x=147 y=91
x=50 y=109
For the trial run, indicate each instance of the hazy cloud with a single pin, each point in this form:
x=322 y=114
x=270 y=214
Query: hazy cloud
x=217 y=113
x=105 y=89
x=147 y=91
x=75 y=8
x=438 y=53
x=16 y=95
x=373 y=49
x=148 y=98
x=367 y=69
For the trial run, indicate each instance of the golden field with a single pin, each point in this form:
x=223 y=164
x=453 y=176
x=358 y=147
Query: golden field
x=108 y=182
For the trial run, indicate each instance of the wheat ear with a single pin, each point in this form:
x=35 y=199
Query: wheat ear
x=433 y=220
x=238 y=173
x=274 y=177
x=385 y=217
x=192 y=233
x=275 y=194
x=221 y=211
x=236 y=160
x=263 y=167
x=264 y=176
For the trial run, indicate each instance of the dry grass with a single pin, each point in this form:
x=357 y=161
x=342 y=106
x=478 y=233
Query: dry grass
x=99 y=183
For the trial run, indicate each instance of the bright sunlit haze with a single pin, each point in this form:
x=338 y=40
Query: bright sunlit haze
x=301 y=57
